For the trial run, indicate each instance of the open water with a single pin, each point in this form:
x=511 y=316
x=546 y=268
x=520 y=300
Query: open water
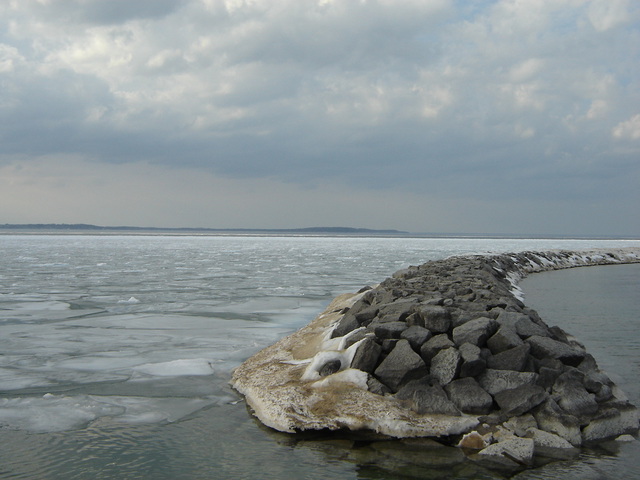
x=116 y=352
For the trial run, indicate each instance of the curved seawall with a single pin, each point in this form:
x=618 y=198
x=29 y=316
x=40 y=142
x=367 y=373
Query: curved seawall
x=446 y=349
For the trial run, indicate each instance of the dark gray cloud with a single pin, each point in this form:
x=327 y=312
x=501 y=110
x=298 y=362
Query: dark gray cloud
x=475 y=102
x=97 y=12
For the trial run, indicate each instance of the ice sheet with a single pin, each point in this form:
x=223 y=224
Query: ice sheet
x=53 y=413
x=176 y=368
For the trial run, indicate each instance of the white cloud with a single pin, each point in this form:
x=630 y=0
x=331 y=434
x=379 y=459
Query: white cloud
x=526 y=70
x=597 y=109
x=9 y=56
x=629 y=129
x=607 y=14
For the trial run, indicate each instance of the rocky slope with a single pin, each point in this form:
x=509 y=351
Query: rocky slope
x=445 y=349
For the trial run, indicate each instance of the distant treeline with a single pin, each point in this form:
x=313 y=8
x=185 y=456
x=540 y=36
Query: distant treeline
x=88 y=227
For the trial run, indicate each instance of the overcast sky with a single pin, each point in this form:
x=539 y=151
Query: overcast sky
x=508 y=116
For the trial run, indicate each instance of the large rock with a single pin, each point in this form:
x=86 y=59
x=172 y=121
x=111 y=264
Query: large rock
x=545 y=347
x=473 y=363
x=547 y=440
x=475 y=331
x=509 y=318
x=365 y=315
x=427 y=398
x=416 y=335
x=346 y=324
x=366 y=356
x=388 y=329
x=572 y=397
x=528 y=328
x=400 y=366
x=515 y=358
x=445 y=365
x=494 y=381
x=435 y=318
x=432 y=346
x=519 y=450
x=469 y=396
x=519 y=400
x=396 y=311
x=611 y=422
x=552 y=418
x=504 y=339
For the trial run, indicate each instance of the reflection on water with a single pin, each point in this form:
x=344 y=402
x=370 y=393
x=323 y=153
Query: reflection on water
x=223 y=442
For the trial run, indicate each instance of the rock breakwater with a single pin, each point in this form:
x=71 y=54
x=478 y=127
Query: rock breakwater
x=447 y=349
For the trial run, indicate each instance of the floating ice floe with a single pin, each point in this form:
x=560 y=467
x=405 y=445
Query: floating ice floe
x=55 y=413
x=177 y=368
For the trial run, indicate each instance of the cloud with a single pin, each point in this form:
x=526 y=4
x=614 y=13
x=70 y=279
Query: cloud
x=481 y=101
x=92 y=12
x=629 y=129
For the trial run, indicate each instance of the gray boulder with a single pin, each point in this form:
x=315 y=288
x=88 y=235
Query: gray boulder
x=528 y=328
x=473 y=364
x=416 y=335
x=329 y=368
x=504 y=339
x=469 y=397
x=388 y=329
x=572 y=396
x=400 y=366
x=426 y=398
x=432 y=346
x=476 y=331
x=549 y=369
x=367 y=355
x=346 y=324
x=376 y=386
x=611 y=422
x=354 y=337
x=543 y=347
x=396 y=311
x=509 y=318
x=552 y=418
x=515 y=358
x=365 y=315
x=519 y=400
x=494 y=381
x=518 y=450
x=435 y=318
x=445 y=366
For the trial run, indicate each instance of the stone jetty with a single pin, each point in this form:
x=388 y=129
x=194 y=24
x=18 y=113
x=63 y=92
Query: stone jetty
x=447 y=350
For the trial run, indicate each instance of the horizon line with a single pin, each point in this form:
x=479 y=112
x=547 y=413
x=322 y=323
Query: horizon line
x=343 y=231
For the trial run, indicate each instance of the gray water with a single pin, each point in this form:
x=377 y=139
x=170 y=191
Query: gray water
x=601 y=307
x=116 y=352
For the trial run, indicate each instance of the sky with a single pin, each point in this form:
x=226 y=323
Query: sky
x=506 y=116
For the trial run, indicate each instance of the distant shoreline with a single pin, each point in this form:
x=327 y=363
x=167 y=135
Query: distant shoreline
x=88 y=229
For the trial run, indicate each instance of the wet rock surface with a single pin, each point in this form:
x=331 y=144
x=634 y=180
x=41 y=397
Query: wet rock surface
x=450 y=338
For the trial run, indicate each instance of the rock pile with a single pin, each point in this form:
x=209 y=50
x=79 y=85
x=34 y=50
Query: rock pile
x=445 y=348
x=449 y=337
